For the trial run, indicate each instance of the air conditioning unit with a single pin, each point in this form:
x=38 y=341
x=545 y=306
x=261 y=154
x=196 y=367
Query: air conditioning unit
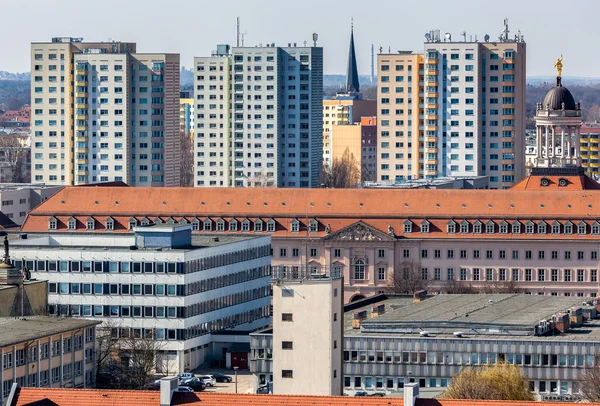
x=458 y=334
x=424 y=333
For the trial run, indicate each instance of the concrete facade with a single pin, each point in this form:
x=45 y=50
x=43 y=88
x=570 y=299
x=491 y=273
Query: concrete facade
x=467 y=116
x=102 y=112
x=18 y=199
x=181 y=294
x=275 y=117
x=47 y=352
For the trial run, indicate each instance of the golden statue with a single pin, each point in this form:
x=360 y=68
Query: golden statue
x=559 y=65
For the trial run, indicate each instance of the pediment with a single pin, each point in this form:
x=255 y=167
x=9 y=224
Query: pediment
x=359 y=231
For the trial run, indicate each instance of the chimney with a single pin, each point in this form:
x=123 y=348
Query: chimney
x=168 y=385
x=411 y=394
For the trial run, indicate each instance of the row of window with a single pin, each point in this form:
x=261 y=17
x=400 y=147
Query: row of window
x=151 y=267
x=502 y=254
x=46 y=377
x=468 y=358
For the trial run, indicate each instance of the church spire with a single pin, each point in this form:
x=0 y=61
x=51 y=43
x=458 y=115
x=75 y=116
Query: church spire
x=352 y=84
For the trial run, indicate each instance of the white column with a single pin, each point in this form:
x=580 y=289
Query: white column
x=553 y=141
x=577 y=154
x=539 y=141
x=547 y=144
x=562 y=142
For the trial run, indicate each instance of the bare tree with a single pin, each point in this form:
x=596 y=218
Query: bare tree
x=408 y=278
x=261 y=180
x=344 y=172
x=15 y=156
x=106 y=346
x=454 y=287
x=140 y=358
x=495 y=382
x=590 y=382
x=593 y=114
x=186 y=161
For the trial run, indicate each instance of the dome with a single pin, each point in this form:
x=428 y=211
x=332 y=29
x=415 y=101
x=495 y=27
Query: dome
x=557 y=96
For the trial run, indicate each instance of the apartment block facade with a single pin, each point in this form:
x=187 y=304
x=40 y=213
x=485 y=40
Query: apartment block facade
x=467 y=102
x=102 y=112
x=259 y=117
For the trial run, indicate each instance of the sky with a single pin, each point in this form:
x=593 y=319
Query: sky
x=194 y=27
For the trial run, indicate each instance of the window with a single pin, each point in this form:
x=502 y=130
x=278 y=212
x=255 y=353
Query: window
x=287 y=373
x=359 y=269
x=381 y=273
x=287 y=345
x=287 y=317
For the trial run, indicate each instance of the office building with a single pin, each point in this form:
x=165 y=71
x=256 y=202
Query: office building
x=158 y=281
x=103 y=112
x=456 y=110
x=391 y=342
x=259 y=116
x=589 y=149
x=542 y=234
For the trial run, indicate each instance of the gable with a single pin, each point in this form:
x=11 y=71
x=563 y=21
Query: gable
x=359 y=231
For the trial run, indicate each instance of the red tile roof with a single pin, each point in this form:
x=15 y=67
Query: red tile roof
x=573 y=183
x=339 y=208
x=97 y=397
x=85 y=397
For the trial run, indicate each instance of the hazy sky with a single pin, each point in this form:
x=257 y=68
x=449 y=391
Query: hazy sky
x=194 y=27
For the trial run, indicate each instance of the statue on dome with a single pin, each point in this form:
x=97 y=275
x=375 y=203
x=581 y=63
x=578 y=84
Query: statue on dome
x=559 y=65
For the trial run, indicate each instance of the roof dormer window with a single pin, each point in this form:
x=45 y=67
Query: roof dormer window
x=258 y=225
x=529 y=227
x=220 y=225
x=425 y=227
x=52 y=223
x=490 y=227
x=477 y=227
x=464 y=227
x=408 y=227
x=556 y=227
x=208 y=225
x=503 y=227
x=271 y=225
x=233 y=225
x=72 y=223
x=132 y=223
x=195 y=224
x=562 y=182
x=568 y=228
x=451 y=227
x=542 y=226
x=90 y=224
x=516 y=227
x=545 y=182
x=582 y=228
x=295 y=225
x=314 y=226
x=110 y=224
x=245 y=225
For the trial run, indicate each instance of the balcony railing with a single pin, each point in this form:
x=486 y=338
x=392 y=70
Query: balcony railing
x=298 y=273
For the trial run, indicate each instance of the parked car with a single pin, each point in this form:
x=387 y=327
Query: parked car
x=184 y=377
x=361 y=394
x=222 y=378
x=262 y=390
x=196 y=384
x=208 y=380
x=184 y=389
x=380 y=394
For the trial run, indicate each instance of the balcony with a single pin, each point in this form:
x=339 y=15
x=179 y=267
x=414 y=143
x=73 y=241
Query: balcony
x=302 y=274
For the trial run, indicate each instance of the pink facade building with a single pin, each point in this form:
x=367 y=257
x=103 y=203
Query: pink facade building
x=542 y=236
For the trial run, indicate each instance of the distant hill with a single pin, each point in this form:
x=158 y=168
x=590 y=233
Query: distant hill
x=14 y=76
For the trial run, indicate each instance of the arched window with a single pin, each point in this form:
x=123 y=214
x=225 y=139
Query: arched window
x=359 y=269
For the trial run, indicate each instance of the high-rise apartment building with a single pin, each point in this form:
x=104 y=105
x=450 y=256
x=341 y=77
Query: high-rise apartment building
x=462 y=113
x=259 y=116
x=102 y=112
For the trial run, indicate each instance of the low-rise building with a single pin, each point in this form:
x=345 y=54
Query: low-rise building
x=40 y=351
x=18 y=198
x=390 y=341
x=158 y=282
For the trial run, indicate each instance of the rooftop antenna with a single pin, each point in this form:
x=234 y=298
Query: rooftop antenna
x=428 y=37
x=506 y=31
x=372 y=63
x=315 y=38
x=242 y=36
x=464 y=35
x=486 y=38
x=237 y=41
x=304 y=44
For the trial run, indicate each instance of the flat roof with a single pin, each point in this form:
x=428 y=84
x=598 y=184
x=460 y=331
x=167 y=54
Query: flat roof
x=474 y=315
x=120 y=242
x=18 y=330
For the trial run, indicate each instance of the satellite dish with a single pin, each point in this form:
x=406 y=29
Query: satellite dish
x=428 y=36
x=486 y=38
x=448 y=36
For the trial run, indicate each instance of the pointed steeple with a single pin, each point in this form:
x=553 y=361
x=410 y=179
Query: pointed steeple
x=352 y=84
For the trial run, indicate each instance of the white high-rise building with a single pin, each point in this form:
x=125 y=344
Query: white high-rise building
x=259 y=117
x=102 y=112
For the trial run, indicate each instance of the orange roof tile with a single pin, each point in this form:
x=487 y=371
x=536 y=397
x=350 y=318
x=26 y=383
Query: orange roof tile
x=85 y=397
x=98 y=397
x=573 y=183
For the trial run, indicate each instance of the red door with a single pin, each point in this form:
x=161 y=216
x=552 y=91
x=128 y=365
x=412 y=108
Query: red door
x=239 y=359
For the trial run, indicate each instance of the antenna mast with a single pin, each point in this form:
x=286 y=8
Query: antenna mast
x=372 y=63
x=237 y=38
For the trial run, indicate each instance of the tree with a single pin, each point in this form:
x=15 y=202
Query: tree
x=344 y=172
x=186 y=159
x=593 y=114
x=407 y=278
x=590 y=382
x=15 y=157
x=455 y=287
x=132 y=360
x=495 y=382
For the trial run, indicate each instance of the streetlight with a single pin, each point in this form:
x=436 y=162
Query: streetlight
x=235 y=371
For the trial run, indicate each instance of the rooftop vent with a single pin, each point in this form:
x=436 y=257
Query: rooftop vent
x=489 y=206
x=62 y=202
x=215 y=239
x=228 y=203
x=424 y=333
x=458 y=334
x=164 y=203
x=116 y=202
